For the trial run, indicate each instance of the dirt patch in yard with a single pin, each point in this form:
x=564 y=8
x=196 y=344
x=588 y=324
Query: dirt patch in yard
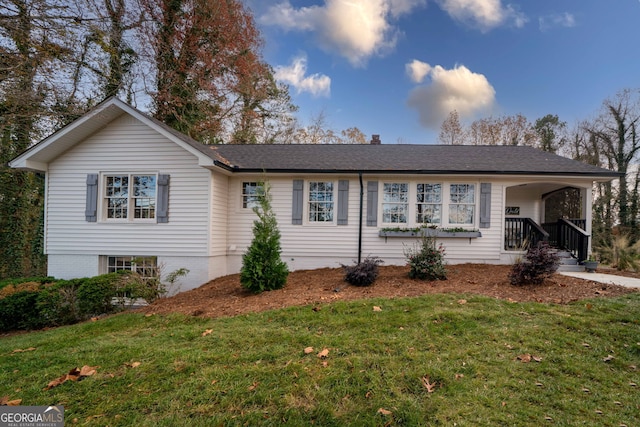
x=225 y=297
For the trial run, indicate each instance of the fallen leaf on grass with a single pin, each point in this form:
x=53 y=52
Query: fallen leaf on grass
x=74 y=374
x=207 y=332
x=133 y=365
x=458 y=376
x=526 y=358
x=308 y=350
x=609 y=358
x=384 y=411
x=431 y=387
x=324 y=353
x=253 y=386
x=87 y=371
x=4 y=401
x=462 y=301
x=376 y=308
x=19 y=350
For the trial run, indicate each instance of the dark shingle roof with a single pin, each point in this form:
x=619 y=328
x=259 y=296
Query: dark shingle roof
x=401 y=158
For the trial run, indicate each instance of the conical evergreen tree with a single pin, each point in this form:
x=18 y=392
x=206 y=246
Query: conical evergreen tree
x=262 y=268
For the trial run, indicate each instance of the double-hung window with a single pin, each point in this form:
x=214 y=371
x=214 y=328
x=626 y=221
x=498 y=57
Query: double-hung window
x=250 y=192
x=321 y=203
x=146 y=267
x=395 y=203
x=428 y=203
x=462 y=203
x=424 y=203
x=130 y=196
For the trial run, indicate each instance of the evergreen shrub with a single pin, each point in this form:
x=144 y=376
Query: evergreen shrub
x=262 y=268
x=425 y=260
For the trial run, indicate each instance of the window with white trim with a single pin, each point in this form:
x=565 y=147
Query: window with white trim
x=129 y=196
x=428 y=203
x=321 y=205
x=146 y=267
x=462 y=203
x=250 y=191
x=419 y=203
x=395 y=203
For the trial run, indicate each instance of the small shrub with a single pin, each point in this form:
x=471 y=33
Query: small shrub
x=363 y=274
x=95 y=294
x=426 y=261
x=539 y=263
x=58 y=304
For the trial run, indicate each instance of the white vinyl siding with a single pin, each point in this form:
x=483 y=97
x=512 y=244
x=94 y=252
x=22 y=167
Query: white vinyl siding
x=127 y=146
x=220 y=213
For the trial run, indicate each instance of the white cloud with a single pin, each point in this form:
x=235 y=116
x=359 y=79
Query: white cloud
x=460 y=89
x=295 y=75
x=417 y=70
x=354 y=29
x=483 y=14
x=566 y=20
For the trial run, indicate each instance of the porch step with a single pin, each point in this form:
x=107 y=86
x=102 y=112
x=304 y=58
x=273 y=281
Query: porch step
x=571 y=267
x=568 y=262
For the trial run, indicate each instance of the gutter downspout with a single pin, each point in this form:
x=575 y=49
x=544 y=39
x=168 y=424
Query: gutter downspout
x=360 y=224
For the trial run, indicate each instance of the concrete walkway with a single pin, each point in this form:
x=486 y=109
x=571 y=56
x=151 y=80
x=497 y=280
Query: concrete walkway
x=610 y=279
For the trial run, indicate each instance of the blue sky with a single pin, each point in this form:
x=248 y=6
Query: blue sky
x=397 y=67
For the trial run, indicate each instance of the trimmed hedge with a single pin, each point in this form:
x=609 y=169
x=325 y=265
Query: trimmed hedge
x=41 y=302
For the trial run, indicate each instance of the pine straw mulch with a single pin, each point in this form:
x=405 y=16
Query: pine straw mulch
x=225 y=297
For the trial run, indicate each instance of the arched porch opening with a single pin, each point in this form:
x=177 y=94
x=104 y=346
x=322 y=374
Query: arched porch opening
x=548 y=211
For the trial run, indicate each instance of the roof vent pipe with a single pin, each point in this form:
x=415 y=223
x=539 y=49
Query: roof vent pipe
x=375 y=140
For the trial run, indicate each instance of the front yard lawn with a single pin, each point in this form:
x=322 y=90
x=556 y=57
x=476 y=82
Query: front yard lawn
x=449 y=359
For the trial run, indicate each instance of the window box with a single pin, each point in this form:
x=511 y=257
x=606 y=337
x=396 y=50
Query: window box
x=429 y=232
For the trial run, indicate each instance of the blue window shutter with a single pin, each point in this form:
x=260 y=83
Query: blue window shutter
x=343 y=202
x=91 y=209
x=372 y=203
x=297 y=202
x=485 y=205
x=162 y=206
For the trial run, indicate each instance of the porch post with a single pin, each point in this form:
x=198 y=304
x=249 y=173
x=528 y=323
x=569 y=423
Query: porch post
x=587 y=206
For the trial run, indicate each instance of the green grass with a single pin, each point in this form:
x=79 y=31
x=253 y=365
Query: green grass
x=252 y=370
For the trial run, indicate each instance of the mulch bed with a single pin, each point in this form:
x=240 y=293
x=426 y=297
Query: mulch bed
x=225 y=297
